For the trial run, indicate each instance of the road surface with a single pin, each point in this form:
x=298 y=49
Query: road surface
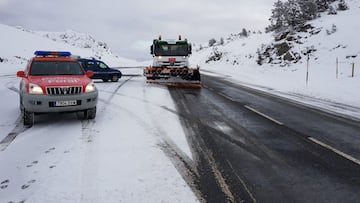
x=250 y=146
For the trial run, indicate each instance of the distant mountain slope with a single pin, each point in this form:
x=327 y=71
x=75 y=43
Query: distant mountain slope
x=325 y=38
x=18 y=45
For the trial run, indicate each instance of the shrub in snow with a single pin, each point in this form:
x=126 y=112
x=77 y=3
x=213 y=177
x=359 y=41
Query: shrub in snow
x=212 y=42
x=244 y=33
x=332 y=31
x=332 y=11
x=342 y=6
x=215 y=56
x=221 y=41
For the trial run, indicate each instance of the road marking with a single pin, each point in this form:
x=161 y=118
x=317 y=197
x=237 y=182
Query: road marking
x=264 y=115
x=242 y=182
x=227 y=97
x=346 y=156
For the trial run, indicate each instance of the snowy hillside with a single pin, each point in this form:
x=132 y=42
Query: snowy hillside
x=331 y=37
x=19 y=45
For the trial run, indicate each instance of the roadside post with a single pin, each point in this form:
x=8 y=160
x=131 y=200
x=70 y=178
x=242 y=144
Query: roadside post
x=353 y=70
x=307 y=68
x=337 y=68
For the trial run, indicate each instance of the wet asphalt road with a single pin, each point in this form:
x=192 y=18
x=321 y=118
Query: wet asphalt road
x=249 y=146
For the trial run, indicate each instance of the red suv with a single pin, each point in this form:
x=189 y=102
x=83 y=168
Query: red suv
x=56 y=82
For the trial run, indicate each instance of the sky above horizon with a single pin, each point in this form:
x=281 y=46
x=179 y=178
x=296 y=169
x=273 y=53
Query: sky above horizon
x=129 y=27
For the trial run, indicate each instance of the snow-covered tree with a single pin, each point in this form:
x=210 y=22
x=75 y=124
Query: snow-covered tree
x=294 y=15
x=278 y=16
x=322 y=5
x=308 y=9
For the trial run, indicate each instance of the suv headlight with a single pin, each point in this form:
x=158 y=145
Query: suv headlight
x=90 y=87
x=35 y=89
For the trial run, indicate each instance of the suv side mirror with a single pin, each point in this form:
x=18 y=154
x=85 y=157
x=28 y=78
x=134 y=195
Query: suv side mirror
x=151 y=49
x=89 y=73
x=20 y=74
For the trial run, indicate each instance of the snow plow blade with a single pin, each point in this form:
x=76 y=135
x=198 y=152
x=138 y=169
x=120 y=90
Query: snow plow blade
x=174 y=77
x=176 y=84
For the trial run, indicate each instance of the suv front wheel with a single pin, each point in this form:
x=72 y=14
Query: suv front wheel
x=90 y=113
x=28 y=118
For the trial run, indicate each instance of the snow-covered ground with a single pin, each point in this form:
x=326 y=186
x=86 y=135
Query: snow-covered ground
x=323 y=89
x=118 y=157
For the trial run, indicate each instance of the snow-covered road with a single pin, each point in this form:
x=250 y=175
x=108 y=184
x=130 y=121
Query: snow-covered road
x=118 y=157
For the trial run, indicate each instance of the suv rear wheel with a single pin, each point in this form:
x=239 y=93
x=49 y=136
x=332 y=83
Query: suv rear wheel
x=114 y=78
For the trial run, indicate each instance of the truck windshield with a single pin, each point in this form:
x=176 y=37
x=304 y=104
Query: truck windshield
x=55 y=68
x=171 y=50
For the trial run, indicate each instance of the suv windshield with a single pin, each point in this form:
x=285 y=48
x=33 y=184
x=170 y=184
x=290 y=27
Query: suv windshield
x=56 y=68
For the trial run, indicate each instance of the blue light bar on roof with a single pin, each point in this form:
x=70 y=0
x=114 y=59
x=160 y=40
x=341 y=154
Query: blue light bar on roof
x=52 y=53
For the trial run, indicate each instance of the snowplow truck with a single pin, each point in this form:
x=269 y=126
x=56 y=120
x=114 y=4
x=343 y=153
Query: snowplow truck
x=171 y=64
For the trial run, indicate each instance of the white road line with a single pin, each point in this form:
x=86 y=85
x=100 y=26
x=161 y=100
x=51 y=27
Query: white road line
x=227 y=97
x=346 y=156
x=242 y=182
x=264 y=115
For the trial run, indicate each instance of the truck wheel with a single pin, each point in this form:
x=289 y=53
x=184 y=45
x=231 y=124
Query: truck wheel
x=90 y=113
x=196 y=75
x=20 y=104
x=114 y=78
x=28 y=118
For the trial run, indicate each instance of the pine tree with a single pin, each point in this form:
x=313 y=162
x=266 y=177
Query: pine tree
x=309 y=9
x=277 y=18
x=322 y=5
x=294 y=15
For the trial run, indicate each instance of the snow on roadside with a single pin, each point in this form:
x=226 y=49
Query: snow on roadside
x=119 y=157
x=323 y=88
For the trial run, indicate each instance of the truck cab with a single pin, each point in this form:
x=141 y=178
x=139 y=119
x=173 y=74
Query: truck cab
x=170 y=53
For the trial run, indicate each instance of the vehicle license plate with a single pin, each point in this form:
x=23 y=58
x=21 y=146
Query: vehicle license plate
x=66 y=103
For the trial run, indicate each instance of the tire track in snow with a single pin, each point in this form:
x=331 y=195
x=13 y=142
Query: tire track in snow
x=180 y=160
x=87 y=125
x=89 y=192
x=19 y=126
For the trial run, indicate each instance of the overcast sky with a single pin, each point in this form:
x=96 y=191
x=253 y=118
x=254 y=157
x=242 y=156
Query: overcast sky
x=129 y=27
